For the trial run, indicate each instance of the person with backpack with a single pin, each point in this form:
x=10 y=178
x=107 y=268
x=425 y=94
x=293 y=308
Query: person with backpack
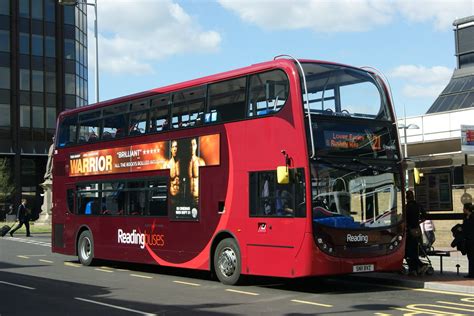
x=23 y=215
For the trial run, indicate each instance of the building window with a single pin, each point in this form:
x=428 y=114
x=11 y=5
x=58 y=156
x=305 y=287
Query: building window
x=25 y=116
x=37 y=9
x=50 y=82
x=69 y=15
x=5 y=7
x=24 y=43
x=69 y=49
x=5 y=117
x=49 y=12
x=4 y=41
x=50 y=118
x=4 y=78
x=25 y=79
x=37 y=45
x=38 y=116
x=37 y=81
x=25 y=8
x=49 y=46
x=69 y=84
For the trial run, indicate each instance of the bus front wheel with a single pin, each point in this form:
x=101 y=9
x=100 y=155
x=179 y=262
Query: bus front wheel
x=85 y=248
x=227 y=264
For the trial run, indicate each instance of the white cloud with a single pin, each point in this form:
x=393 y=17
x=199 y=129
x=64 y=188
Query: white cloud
x=346 y=15
x=421 y=81
x=321 y=16
x=134 y=34
x=441 y=12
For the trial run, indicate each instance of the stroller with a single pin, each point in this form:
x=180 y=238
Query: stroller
x=425 y=246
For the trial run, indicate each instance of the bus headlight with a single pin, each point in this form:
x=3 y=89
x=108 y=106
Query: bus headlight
x=395 y=242
x=324 y=245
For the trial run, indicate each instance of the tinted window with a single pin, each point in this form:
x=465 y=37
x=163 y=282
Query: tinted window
x=188 y=107
x=227 y=99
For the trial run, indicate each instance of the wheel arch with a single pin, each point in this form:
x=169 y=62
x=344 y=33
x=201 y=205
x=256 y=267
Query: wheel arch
x=217 y=239
x=78 y=234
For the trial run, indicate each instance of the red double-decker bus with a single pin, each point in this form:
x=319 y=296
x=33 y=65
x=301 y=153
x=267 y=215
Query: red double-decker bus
x=286 y=168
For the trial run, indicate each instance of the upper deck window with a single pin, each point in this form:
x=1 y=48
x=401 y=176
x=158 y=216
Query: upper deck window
x=227 y=99
x=188 y=107
x=344 y=91
x=268 y=92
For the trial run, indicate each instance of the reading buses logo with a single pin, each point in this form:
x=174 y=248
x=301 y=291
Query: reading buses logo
x=141 y=239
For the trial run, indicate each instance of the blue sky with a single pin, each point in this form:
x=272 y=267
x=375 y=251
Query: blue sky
x=144 y=44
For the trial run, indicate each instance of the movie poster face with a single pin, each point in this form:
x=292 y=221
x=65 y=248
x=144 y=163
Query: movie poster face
x=183 y=157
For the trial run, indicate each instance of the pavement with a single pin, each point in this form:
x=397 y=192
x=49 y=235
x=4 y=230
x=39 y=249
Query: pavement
x=452 y=279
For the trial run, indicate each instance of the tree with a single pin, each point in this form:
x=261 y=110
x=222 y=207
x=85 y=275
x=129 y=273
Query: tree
x=6 y=185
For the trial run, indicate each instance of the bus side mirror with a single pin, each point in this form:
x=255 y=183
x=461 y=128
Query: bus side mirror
x=283 y=175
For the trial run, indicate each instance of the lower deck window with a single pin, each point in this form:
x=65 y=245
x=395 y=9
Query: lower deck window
x=148 y=197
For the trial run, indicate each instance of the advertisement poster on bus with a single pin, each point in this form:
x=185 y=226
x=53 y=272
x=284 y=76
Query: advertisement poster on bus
x=183 y=157
x=186 y=158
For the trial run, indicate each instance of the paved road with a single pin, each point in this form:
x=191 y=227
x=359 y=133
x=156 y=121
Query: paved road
x=33 y=280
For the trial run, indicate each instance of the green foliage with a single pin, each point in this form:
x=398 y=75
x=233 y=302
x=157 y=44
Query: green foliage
x=6 y=185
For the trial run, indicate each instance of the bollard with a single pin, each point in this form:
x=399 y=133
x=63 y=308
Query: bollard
x=457 y=267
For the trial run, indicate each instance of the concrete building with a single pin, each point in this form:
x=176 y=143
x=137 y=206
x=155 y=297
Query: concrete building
x=43 y=71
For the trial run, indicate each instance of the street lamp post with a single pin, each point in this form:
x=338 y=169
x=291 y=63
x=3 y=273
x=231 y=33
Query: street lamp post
x=96 y=27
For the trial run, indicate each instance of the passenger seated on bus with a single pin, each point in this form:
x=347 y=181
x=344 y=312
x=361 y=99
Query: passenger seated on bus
x=92 y=137
x=107 y=135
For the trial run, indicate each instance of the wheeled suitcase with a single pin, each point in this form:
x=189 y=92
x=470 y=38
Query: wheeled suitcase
x=4 y=230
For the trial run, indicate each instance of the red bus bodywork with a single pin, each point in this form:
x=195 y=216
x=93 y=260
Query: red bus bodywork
x=286 y=247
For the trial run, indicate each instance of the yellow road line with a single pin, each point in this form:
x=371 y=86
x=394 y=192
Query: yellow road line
x=311 y=303
x=141 y=276
x=103 y=270
x=187 y=283
x=70 y=264
x=47 y=261
x=23 y=257
x=242 y=292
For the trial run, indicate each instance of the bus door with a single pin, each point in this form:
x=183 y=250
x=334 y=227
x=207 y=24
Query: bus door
x=276 y=228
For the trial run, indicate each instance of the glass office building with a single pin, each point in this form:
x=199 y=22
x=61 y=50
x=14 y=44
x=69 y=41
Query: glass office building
x=43 y=71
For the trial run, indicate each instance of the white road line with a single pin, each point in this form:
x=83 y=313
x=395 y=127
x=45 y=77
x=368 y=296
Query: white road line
x=18 y=285
x=114 y=306
x=241 y=292
x=187 y=283
x=141 y=276
x=311 y=303
x=23 y=257
x=123 y=270
x=47 y=261
x=103 y=270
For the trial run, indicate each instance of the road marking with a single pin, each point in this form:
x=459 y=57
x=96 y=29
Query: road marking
x=241 y=292
x=124 y=270
x=382 y=314
x=311 y=303
x=47 y=261
x=114 y=306
x=70 y=264
x=23 y=257
x=103 y=270
x=141 y=276
x=187 y=283
x=18 y=285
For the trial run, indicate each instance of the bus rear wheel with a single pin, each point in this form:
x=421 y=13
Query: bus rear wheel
x=85 y=248
x=227 y=263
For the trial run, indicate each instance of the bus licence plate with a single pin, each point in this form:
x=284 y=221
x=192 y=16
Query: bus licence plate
x=363 y=268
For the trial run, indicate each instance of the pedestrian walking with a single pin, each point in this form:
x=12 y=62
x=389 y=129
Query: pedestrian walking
x=23 y=215
x=415 y=216
x=468 y=232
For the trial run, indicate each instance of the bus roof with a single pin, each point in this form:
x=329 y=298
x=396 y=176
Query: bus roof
x=198 y=81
